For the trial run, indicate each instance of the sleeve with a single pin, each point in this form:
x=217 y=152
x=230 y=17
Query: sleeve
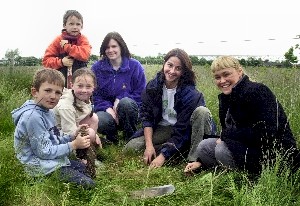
x=138 y=83
x=146 y=110
x=68 y=120
x=43 y=142
x=81 y=51
x=181 y=133
x=51 y=57
x=264 y=110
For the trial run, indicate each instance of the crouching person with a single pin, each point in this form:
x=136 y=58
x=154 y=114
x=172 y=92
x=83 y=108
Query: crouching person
x=170 y=106
x=254 y=125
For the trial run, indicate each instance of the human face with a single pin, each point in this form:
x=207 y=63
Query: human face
x=227 y=78
x=172 y=71
x=73 y=26
x=113 y=50
x=83 y=87
x=47 y=96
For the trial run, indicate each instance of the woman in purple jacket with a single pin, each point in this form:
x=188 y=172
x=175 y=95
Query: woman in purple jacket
x=120 y=82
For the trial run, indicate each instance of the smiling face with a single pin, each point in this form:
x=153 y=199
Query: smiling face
x=73 y=26
x=113 y=50
x=227 y=78
x=83 y=87
x=172 y=71
x=47 y=96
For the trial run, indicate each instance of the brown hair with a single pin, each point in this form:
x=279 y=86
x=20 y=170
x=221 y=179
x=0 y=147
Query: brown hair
x=116 y=36
x=52 y=76
x=188 y=75
x=70 y=13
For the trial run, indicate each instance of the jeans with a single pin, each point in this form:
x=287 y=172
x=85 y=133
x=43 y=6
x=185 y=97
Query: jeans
x=75 y=173
x=212 y=154
x=128 y=114
x=161 y=135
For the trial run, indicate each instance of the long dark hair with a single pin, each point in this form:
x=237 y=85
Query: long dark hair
x=117 y=37
x=188 y=75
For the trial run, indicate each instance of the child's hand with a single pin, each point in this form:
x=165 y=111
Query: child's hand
x=79 y=128
x=63 y=42
x=67 y=61
x=81 y=142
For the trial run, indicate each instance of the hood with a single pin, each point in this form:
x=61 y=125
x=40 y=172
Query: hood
x=28 y=105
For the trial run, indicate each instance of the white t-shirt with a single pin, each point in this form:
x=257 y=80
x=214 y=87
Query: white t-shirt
x=169 y=114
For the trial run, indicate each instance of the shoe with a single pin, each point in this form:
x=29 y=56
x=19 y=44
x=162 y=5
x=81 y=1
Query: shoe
x=153 y=192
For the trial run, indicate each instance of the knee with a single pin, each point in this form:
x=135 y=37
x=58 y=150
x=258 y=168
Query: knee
x=105 y=120
x=127 y=104
x=92 y=134
x=136 y=144
x=201 y=112
x=202 y=146
x=95 y=119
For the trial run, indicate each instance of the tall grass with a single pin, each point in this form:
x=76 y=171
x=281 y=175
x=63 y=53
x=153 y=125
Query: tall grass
x=122 y=173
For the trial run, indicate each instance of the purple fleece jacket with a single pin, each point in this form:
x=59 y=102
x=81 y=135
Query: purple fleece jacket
x=128 y=81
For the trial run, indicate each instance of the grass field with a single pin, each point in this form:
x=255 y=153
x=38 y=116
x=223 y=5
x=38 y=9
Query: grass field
x=121 y=173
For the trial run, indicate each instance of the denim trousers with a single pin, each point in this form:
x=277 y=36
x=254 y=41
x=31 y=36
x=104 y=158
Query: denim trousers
x=76 y=173
x=212 y=154
x=128 y=115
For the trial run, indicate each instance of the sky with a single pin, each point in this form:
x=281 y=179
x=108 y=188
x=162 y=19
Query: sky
x=152 y=27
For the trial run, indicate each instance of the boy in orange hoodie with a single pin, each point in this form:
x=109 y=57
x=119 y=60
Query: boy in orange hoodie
x=70 y=50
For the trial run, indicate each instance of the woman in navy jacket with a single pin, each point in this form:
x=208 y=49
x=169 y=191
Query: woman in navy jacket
x=254 y=125
x=168 y=103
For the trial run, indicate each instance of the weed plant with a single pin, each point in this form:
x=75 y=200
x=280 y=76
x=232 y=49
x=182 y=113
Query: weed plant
x=122 y=173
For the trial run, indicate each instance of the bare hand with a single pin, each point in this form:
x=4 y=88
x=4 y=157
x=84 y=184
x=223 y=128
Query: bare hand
x=81 y=142
x=113 y=114
x=67 y=61
x=192 y=166
x=79 y=128
x=219 y=141
x=63 y=42
x=149 y=154
x=98 y=141
x=157 y=162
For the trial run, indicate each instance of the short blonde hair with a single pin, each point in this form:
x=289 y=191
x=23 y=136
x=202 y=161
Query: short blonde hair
x=223 y=62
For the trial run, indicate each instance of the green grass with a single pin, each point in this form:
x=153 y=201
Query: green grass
x=122 y=173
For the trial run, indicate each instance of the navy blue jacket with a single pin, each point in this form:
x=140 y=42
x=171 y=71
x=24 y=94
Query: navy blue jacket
x=257 y=125
x=186 y=100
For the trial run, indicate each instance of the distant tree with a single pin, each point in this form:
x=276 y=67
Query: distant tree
x=11 y=56
x=290 y=58
x=93 y=58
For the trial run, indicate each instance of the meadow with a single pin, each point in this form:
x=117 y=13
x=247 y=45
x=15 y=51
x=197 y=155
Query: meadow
x=122 y=173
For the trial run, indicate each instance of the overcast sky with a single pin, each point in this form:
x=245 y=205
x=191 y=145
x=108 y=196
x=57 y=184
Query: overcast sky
x=149 y=27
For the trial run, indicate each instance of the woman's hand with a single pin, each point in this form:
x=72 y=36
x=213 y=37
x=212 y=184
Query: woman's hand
x=149 y=154
x=113 y=114
x=192 y=166
x=157 y=162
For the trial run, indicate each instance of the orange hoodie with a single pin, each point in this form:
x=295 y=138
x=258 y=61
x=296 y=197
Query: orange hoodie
x=80 y=51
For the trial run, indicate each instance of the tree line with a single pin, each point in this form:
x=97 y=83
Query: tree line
x=13 y=58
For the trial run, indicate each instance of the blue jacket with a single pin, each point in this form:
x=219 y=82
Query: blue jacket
x=187 y=99
x=38 y=143
x=128 y=81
